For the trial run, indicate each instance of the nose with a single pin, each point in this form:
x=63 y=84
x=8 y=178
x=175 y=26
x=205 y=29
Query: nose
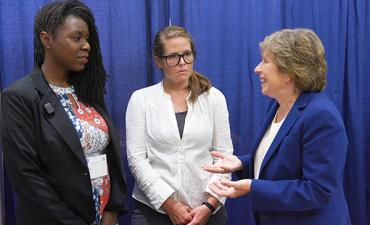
x=258 y=68
x=182 y=60
x=86 y=46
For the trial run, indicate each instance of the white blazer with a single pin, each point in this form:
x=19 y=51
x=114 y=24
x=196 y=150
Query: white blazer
x=162 y=163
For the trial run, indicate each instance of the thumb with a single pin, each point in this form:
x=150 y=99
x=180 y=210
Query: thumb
x=192 y=213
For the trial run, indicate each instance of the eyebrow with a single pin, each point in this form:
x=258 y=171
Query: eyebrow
x=79 y=33
x=176 y=53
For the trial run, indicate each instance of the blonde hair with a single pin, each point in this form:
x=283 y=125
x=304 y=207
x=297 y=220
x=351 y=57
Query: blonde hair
x=198 y=83
x=300 y=54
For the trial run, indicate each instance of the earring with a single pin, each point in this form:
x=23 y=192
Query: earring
x=47 y=47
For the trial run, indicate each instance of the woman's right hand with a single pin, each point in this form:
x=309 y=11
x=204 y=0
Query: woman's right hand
x=178 y=212
x=228 y=164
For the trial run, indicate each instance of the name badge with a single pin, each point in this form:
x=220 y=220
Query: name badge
x=98 y=166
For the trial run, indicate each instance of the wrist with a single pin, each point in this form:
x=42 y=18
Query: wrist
x=209 y=206
x=168 y=204
x=213 y=201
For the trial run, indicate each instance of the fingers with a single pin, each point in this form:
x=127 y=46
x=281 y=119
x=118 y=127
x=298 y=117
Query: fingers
x=228 y=183
x=192 y=223
x=218 y=188
x=213 y=169
x=188 y=218
x=217 y=154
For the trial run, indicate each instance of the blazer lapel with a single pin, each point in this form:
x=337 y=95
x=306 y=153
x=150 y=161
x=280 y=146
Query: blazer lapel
x=265 y=125
x=290 y=120
x=59 y=118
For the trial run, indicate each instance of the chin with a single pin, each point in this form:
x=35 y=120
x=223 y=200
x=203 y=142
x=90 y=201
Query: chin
x=78 y=68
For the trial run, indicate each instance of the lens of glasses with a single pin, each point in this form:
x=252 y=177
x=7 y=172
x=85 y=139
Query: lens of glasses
x=174 y=60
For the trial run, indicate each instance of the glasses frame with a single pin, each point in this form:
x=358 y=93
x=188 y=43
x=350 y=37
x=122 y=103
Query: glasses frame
x=180 y=56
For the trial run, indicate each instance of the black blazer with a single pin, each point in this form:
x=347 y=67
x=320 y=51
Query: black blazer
x=45 y=161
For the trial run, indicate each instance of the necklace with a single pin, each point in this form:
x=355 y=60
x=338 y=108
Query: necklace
x=51 y=83
x=59 y=90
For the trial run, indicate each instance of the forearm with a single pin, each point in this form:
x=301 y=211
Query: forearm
x=150 y=182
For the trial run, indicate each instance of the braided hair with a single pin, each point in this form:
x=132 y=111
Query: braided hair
x=89 y=83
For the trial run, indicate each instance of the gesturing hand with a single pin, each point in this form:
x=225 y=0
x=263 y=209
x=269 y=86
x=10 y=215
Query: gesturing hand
x=231 y=189
x=178 y=212
x=228 y=164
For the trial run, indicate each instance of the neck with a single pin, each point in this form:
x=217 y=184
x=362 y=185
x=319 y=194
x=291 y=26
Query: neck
x=286 y=102
x=55 y=76
x=170 y=87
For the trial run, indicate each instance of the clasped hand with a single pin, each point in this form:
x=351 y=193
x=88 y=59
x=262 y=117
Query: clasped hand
x=181 y=214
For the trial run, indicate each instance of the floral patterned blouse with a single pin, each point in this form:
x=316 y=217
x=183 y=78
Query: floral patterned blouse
x=93 y=133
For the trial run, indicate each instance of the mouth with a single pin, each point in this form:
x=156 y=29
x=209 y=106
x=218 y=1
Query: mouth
x=84 y=59
x=182 y=71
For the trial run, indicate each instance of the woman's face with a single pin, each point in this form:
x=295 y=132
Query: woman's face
x=272 y=80
x=180 y=73
x=69 y=48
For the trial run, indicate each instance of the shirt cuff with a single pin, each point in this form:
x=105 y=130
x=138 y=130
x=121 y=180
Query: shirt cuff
x=159 y=192
x=215 y=177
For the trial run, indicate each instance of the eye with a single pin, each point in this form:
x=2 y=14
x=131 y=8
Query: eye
x=170 y=57
x=76 y=38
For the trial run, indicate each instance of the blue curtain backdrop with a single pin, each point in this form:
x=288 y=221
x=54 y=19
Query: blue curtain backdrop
x=226 y=33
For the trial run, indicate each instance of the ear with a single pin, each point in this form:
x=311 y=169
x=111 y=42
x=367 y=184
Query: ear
x=158 y=62
x=45 y=39
x=288 y=78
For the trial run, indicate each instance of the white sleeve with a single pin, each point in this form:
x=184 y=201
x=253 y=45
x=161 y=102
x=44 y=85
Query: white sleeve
x=221 y=139
x=148 y=180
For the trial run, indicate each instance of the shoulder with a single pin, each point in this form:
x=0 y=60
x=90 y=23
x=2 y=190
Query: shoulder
x=146 y=92
x=141 y=97
x=322 y=110
x=22 y=88
x=320 y=103
x=213 y=94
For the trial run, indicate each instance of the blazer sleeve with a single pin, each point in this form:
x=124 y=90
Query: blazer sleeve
x=221 y=138
x=20 y=142
x=148 y=180
x=324 y=146
x=118 y=190
x=246 y=170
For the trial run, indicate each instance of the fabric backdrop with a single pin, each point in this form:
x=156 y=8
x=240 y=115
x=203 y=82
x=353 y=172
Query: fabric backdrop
x=226 y=33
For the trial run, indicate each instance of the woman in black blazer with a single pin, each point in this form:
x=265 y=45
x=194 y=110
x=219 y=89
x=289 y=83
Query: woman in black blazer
x=61 y=151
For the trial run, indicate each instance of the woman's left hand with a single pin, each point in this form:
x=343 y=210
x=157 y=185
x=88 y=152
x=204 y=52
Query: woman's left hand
x=231 y=189
x=109 y=218
x=200 y=215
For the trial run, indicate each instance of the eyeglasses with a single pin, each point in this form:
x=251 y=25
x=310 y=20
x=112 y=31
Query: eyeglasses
x=174 y=59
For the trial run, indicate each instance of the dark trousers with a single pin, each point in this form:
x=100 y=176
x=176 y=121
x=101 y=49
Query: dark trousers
x=144 y=215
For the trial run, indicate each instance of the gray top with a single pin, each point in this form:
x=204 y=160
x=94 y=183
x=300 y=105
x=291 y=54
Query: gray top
x=180 y=117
